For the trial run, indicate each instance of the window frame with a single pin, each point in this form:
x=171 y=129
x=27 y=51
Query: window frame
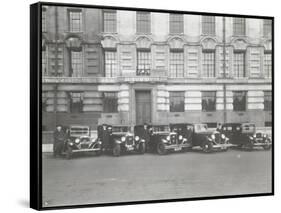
x=143 y=23
x=110 y=107
x=267 y=103
x=72 y=72
x=267 y=66
x=236 y=108
x=113 y=63
x=207 y=94
x=173 y=95
x=208 y=73
x=267 y=28
x=113 y=26
x=173 y=28
x=236 y=73
x=208 y=25
x=72 y=107
x=176 y=70
x=71 y=27
x=44 y=19
x=239 y=30
x=147 y=58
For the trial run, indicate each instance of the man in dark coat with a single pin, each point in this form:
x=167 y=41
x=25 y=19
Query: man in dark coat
x=59 y=139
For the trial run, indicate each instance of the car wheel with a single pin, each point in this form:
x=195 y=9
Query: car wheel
x=99 y=146
x=161 y=149
x=207 y=146
x=69 y=153
x=116 y=150
x=142 y=148
x=267 y=147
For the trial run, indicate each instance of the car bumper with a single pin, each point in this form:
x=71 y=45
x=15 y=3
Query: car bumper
x=177 y=147
x=86 y=150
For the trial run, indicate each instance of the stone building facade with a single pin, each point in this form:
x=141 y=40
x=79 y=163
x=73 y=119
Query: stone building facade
x=130 y=67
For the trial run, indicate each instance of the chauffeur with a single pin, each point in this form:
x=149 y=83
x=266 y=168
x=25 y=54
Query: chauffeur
x=59 y=139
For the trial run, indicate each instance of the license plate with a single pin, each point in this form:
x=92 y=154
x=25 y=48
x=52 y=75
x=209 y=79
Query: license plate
x=177 y=149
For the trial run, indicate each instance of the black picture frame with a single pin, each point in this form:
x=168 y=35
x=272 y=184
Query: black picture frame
x=36 y=105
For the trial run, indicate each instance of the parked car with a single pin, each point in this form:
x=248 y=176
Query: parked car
x=162 y=140
x=119 y=139
x=244 y=135
x=209 y=140
x=79 y=140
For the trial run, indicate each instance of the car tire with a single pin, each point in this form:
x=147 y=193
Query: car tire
x=207 y=146
x=99 y=152
x=267 y=147
x=116 y=150
x=69 y=153
x=142 y=148
x=161 y=149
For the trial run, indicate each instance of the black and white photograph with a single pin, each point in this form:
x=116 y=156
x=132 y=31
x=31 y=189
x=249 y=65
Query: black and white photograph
x=146 y=105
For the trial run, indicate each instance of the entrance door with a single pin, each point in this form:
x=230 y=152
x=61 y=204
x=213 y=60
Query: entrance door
x=143 y=107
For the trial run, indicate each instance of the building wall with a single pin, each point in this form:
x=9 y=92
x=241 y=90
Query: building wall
x=126 y=41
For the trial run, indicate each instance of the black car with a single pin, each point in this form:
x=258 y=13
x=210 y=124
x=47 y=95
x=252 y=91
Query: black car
x=162 y=140
x=209 y=140
x=80 y=140
x=119 y=139
x=244 y=135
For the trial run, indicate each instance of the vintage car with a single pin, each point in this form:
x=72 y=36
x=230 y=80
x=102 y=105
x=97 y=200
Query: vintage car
x=79 y=140
x=244 y=135
x=162 y=140
x=209 y=140
x=119 y=139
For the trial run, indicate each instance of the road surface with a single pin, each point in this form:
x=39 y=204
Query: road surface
x=90 y=179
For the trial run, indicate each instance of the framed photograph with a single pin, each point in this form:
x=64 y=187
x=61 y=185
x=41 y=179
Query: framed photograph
x=134 y=105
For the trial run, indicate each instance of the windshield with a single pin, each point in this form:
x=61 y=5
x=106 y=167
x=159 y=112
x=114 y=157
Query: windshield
x=201 y=127
x=120 y=129
x=163 y=128
x=248 y=128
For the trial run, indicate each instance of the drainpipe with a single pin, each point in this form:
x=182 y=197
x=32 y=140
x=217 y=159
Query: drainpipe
x=56 y=64
x=224 y=72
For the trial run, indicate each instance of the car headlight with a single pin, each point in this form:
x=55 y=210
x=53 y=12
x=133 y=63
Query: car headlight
x=137 y=138
x=123 y=139
x=223 y=136
x=168 y=138
x=264 y=135
x=254 y=135
x=213 y=137
x=180 y=137
x=71 y=144
x=251 y=138
x=77 y=140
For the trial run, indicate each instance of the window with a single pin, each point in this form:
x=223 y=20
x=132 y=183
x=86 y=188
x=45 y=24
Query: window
x=110 y=102
x=109 y=21
x=239 y=26
x=44 y=61
x=44 y=25
x=44 y=101
x=209 y=101
x=268 y=124
x=76 y=102
x=75 y=20
x=176 y=101
x=76 y=61
x=239 y=65
x=209 y=25
x=110 y=63
x=143 y=62
x=143 y=22
x=176 y=23
x=176 y=63
x=267 y=28
x=208 y=64
x=267 y=101
x=267 y=64
x=239 y=100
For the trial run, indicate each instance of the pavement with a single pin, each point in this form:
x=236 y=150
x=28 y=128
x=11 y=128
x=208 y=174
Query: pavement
x=90 y=179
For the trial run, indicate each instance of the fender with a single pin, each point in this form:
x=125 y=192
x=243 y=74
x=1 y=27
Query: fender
x=164 y=141
x=117 y=142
